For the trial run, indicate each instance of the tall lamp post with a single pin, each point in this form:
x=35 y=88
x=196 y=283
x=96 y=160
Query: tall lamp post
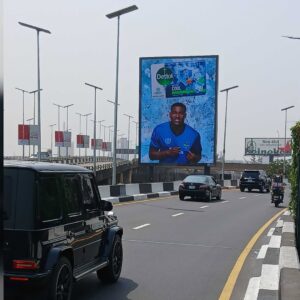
x=100 y=122
x=38 y=30
x=86 y=123
x=80 y=115
x=23 y=92
x=58 y=120
x=284 y=154
x=29 y=120
x=129 y=117
x=95 y=121
x=224 y=142
x=51 y=126
x=136 y=136
x=67 y=107
x=34 y=92
x=111 y=16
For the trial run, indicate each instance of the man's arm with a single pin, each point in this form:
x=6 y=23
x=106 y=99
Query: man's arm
x=195 y=153
x=156 y=154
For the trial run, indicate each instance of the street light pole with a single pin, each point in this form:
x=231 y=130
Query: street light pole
x=110 y=16
x=67 y=107
x=129 y=117
x=38 y=30
x=86 y=123
x=58 y=126
x=23 y=92
x=95 y=121
x=80 y=115
x=284 y=152
x=136 y=136
x=100 y=122
x=51 y=126
x=34 y=92
x=28 y=120
x=224 y=142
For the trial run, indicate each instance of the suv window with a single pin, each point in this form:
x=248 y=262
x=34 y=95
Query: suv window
x=49 y=204
x=252 y=174
x=89 y=194
x=71 y=188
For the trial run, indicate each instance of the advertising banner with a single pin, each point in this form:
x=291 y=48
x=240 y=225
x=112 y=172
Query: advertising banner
x=106 y=146
x=67 y=138
x=59 y=138
x=268 y=146
x=98 y=144
x=34 y=135
x=23 y=134
x=82 y=141
x=178 y=110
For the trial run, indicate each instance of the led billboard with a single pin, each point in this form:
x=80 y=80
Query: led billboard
x=268 y=146
x=178 y=110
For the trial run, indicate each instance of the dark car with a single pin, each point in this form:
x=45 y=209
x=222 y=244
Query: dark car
x=200 y=186
x=254 y=179
x=56 y=230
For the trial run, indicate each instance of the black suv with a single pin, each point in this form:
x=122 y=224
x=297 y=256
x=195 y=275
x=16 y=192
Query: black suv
x=254 y=179
x=56 y=230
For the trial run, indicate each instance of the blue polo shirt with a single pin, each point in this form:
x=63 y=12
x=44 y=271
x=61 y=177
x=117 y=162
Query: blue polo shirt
x=163 y=138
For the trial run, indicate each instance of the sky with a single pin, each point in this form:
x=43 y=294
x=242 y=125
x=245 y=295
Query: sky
x=246 y=35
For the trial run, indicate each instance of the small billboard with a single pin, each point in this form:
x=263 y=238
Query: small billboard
x=34 y=135
x=63 y=138
x=178 y=110
x=82 y=141
x=23 y=134
x=98 y=144
x=106 y=146
x=268 y=146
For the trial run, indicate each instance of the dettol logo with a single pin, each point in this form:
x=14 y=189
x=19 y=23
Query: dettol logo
x=164 y=76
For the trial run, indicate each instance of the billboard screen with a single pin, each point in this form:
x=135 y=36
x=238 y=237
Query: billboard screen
x=63 y=138
x=267 y=146
x=98 y=144
x=106 y=146
x=178 y=110
x=34 y=134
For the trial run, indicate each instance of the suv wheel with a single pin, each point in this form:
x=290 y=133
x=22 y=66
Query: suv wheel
x=209 y=197
x=62 y=280
x=181 y=197
x=242 y=189
x=112 y=271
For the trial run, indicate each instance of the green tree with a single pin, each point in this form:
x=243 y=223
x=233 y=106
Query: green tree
x=276 y=167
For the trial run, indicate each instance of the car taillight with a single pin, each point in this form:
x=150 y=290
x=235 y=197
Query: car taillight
x=19 y=278
x=25 y=264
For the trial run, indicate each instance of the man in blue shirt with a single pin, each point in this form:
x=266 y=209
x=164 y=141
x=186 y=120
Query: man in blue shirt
x=175 y=141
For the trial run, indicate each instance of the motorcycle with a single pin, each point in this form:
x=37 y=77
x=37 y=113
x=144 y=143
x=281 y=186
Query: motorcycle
x=277 y=194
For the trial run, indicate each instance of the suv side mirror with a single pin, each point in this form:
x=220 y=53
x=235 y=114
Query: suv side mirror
x=106 y=205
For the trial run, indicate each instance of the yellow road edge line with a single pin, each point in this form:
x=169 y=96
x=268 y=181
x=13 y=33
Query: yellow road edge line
x=230 y=283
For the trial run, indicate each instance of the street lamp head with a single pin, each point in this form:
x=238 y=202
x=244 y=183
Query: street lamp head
x=24 y=91
x=286 y=108
x=66 y=106
x=35 y=27
x=129 y=116
x=94 y=86
x=35 y=91
x=52 y=125
x=230 y=88
x=291 y=37
x=122 y=11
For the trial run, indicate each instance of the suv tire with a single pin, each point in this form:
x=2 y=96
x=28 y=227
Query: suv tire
x=112 y=271
x=242 y=189
x=62 y=280
x=181 y=197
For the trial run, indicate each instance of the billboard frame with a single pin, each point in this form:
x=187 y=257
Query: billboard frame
x=216 y=57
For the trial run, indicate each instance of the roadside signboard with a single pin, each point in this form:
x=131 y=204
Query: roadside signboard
x=98 y=144
x=82 y=141
x=268 y=146
x=63 y=138
x=23 y=134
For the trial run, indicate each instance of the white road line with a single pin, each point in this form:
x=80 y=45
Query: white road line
x=225 y=201
x=257 y=195
x=262 y=252
x=244 y=198
x=275 y=241
x=142 y=226
x=204 y=206
x=179 y=214
x=271 y=231
x=269 y=277
x=279 y=223
x=252 y=289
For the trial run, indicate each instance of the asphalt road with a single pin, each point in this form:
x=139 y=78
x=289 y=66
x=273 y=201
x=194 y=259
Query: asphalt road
x=181 y=249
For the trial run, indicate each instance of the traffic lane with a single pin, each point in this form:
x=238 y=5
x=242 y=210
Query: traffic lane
x=164 y=265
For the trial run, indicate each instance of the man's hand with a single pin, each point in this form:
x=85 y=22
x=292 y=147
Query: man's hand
x=192 y=157
x=173 y=151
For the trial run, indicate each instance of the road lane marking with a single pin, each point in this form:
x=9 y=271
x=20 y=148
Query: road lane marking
x=243 y=197
x=179 y=214
x=204 y=206
x=226 y=201
x=142 y=226
x=262 y=252
x=257 y=195
x=252 y=289
x=275 y=241
x=230 y=283
x=271 y=231
x=269 y=277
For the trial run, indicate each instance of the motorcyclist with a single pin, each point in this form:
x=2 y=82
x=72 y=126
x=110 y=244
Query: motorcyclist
x=277 y=187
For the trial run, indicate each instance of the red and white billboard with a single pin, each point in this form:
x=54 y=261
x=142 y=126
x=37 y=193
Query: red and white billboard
x=63 y=138
x=98 y=143
x=82 y=141
x=23 y=134
x=33 y=135
x=106 y=146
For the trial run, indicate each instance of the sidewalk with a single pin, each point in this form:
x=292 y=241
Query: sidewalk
x=280 y=273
